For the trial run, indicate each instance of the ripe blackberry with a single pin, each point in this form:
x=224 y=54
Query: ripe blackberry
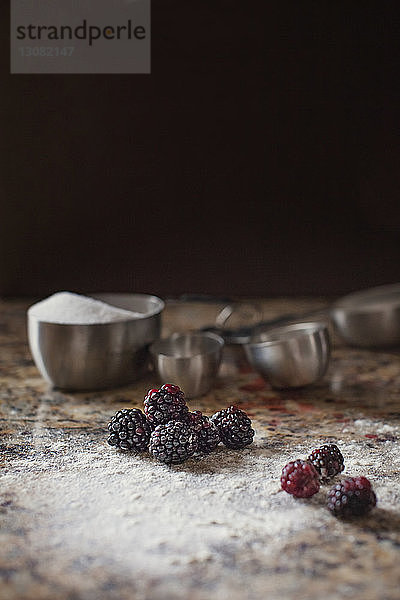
x=234 y=427
x=164 y=405
x=173 y=442
x=351 y=497
x=207 y=432
x=129 y=430
x=328 y=461
x=300 y=478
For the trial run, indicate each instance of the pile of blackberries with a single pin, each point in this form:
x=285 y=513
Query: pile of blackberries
x=171 y=433
x=351 y=497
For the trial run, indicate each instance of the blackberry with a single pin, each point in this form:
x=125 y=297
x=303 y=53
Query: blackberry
x=164 y=405
x=129 y=430
x=328 y=461
x=300 y=478
x=173 y=442
x=207 y=432
x=351 y=497
x=234 y=427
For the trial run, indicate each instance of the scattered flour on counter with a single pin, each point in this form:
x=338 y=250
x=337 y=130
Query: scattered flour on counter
x=74 y=309
x=120 y=526
x=372 y=425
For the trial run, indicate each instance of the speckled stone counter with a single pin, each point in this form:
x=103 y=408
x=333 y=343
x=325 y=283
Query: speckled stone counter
x=79 y=521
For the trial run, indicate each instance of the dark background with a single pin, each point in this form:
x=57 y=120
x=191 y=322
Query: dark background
x=259 y=157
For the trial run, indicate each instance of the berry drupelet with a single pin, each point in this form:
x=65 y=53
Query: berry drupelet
x=207 y=432
x=351 y=497
x=300 y=479
x=173 y=442
x=129 y=430
x=328 y=461
x=234 y=427
x=165 y=404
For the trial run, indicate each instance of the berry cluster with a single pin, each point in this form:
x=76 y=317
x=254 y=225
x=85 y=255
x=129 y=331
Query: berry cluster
x=129 y=430
x=350 y=497
x=234 y=427
x=300 y=479
x=171 y=433
x=328 y=461
x=166 y=404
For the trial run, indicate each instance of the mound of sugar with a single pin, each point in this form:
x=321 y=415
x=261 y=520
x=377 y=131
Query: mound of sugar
x=74 y=309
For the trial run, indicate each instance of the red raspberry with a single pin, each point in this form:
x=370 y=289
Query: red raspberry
x=351 y=497
x=300 y=478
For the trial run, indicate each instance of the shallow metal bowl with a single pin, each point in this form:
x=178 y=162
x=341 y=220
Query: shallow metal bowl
x=101 y=355
x=190 y=360
x=294 y=355
x=369 y=318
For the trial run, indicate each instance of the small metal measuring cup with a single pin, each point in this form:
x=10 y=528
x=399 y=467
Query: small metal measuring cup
x=190 y=360
x=293 y=355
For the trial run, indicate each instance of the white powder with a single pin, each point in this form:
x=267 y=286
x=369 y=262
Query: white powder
x=74 y=309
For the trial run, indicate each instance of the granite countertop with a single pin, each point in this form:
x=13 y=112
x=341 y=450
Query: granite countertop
x=80 y=521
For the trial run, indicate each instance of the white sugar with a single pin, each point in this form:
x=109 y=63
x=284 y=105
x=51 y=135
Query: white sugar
x=74 y=309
